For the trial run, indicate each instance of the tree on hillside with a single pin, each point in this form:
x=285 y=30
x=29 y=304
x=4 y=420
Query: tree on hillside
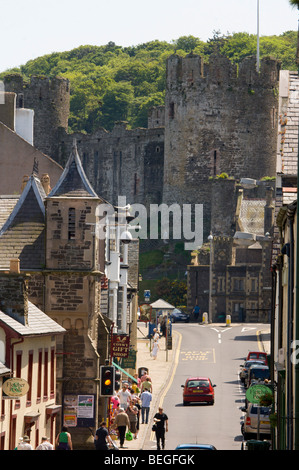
x=295 y=3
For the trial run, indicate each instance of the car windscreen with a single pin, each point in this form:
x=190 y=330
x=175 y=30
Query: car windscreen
x=198 y=383
x=264 y=410
x=259 y=373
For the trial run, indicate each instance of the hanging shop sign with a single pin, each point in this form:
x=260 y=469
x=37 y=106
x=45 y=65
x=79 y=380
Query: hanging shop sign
x=120 y=345
x=257 y=392
x=145 y=313
x=14 y=387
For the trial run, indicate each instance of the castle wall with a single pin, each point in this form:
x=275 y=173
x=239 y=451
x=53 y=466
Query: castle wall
x=122 y=162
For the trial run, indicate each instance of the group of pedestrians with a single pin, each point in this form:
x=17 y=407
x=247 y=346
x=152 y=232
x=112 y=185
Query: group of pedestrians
x=63 y=442
x=131 y=408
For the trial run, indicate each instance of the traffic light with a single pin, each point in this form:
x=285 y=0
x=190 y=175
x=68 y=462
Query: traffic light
x=117 y=380
x=107 y=374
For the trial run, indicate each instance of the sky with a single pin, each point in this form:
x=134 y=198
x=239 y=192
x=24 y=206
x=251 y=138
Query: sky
x=33 y=28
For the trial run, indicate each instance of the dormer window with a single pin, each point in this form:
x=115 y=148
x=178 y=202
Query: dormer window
x=72 y=224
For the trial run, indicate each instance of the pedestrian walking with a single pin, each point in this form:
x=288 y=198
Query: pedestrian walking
x=25 y=444
x=124 y=397
x=102 y=438
x=163 y=326
x=132 y=412
x=138 y=406
x=146 y=398
x=196 y=312
x=121 y=423
x=64 y=440
x=45 y=444
x=155 y=349
x=161 y=421
x=147 y=385
x=156 y=335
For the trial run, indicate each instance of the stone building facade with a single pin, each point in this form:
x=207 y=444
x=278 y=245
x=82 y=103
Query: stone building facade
x=241 y=279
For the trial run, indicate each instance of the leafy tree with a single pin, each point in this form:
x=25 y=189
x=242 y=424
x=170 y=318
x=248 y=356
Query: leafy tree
x=174 y=292
x=188 y=43
x=117 y=104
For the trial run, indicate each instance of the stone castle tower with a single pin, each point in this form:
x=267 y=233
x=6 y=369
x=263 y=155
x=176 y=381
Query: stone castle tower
x=217 y=120
x=50 y=100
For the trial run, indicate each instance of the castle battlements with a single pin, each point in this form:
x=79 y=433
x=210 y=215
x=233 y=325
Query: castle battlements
x=190 y=71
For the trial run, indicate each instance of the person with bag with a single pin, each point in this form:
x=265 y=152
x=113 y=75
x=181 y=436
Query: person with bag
x=161 y=424
x=132 y=412
x=102 y=438
x=121 y=423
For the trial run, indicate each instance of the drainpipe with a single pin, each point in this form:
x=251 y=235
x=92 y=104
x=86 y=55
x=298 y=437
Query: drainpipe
x=296 y=370
x=290 y=332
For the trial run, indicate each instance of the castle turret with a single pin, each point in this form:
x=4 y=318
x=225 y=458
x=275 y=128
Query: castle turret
x=217 y=121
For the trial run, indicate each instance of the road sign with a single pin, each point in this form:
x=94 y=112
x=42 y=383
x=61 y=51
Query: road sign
x=256 y=392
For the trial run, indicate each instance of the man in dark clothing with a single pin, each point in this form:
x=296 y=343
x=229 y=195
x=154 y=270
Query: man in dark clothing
x=102 y=437
x=161 y=421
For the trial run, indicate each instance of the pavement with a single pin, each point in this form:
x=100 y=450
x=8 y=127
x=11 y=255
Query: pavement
x=161 y=370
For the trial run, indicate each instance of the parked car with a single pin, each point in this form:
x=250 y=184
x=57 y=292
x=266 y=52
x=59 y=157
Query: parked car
x=261 y=356
x=198 y=390
x=195 y=447
x=257 y=373
x=249 y=427
x=244 y=371
x=177 y=315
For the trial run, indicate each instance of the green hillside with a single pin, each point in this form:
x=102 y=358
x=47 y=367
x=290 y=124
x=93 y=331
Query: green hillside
x=112 y=83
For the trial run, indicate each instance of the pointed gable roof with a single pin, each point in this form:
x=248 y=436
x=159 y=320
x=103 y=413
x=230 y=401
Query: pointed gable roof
x=73 y=181
x=22 y=235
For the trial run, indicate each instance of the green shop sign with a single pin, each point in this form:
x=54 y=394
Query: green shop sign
x=257 y=392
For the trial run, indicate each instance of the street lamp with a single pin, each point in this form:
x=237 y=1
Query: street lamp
x=210 y=238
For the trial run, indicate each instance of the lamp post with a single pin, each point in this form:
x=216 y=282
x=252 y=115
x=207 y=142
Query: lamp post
x=210 y=238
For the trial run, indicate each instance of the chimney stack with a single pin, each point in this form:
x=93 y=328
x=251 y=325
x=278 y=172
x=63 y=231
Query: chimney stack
x=13 y=293
x=45 y=180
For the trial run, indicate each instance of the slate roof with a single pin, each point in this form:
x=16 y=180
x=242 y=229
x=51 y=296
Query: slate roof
x=73 y=182
x=7 y=203
x=23 y=234
x=38 y=323
x=3 y=369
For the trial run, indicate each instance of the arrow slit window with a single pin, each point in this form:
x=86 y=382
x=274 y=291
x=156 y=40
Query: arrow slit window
x=71 y=223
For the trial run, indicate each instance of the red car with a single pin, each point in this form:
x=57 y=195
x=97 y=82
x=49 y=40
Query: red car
x=261 y=356
x=198 y=390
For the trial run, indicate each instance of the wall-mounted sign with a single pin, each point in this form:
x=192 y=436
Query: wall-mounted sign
x=79 y=410
x=120 y=345
x=14 y=387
